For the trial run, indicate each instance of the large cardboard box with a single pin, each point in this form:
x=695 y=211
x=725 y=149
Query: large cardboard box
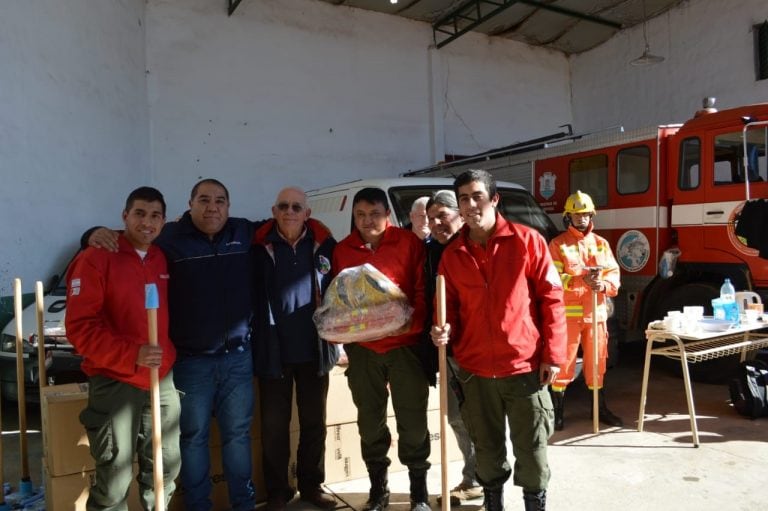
x=433 y=425
x=70 y=492
x=343 y=456
x=342 y=410
x=65 y=444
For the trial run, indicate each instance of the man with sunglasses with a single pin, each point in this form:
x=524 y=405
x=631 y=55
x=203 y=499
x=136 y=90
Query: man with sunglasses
x=292 y=264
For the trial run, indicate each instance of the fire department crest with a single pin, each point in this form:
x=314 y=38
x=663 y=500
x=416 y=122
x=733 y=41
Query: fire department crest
x=633 y=250
x=547 y=184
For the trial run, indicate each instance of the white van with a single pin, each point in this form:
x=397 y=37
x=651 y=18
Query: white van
x=333 y=205
x=61 y=361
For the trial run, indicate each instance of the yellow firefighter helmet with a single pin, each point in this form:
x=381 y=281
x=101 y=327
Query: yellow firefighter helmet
x=579 y=202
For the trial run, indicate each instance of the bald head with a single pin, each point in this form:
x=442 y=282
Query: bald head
x=290 y=212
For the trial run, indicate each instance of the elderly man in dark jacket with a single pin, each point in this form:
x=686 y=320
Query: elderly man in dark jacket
x=293 y=269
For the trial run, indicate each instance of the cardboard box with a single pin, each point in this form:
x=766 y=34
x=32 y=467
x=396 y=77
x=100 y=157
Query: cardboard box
x=344 y=459
x=433 y=425
x=65 y=444
x=70 y=492
x=341 y=408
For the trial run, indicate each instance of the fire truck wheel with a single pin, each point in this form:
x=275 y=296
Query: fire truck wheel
x=694 y=293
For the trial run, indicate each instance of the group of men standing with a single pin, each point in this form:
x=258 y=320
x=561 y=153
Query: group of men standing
x=238 y=297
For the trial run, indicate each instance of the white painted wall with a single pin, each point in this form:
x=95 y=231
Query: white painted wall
x=73 y=126
x=709 y=51
x=308 y=93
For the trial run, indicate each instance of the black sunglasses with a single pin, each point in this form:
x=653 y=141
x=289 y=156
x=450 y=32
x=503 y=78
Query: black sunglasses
x=296 y=207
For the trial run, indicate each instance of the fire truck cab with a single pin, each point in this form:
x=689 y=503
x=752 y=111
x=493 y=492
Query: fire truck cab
x=668 y=200
x=671 y=193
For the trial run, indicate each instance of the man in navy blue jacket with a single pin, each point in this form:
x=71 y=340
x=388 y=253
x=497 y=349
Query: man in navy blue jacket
x=292 y=256
x=210 y=307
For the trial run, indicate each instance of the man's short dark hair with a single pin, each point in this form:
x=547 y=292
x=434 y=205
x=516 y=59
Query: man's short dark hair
x=481 y=176
x=372 y=196
x=145 y=193
x=208 y=181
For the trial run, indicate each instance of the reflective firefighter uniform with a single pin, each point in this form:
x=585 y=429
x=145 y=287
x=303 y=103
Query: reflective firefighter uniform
x=572 y=252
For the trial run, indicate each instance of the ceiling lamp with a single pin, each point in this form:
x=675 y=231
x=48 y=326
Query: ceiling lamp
x=647 y=58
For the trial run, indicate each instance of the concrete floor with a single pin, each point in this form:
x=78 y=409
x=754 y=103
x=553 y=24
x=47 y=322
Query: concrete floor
x=616 y=469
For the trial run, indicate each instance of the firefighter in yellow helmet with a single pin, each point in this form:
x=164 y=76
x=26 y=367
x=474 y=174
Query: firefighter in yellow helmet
x=586 y=265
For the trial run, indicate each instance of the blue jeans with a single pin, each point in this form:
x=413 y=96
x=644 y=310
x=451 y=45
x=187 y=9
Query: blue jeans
x=220 y=385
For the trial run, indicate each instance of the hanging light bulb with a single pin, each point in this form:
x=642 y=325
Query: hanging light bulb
x=393 y=1
x=647 y=58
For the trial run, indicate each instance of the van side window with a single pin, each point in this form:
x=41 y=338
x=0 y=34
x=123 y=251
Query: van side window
x=590 y=175
x=689 y=173
x=633 y=170
x=729 y=157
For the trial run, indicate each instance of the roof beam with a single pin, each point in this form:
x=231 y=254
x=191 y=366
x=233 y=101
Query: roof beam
x=233 y=5
x=477 y=12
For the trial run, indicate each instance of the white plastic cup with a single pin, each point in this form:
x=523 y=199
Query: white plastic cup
x=696 y=312
x=751 y=315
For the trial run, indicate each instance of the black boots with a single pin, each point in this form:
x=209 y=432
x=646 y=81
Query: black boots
x=606 y=416
x=558 y=400
x=378 y=498
x=419 y=494
x=493 y=499
x=535 y=500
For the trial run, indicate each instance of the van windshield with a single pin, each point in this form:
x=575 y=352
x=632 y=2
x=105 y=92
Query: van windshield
x=517 y=205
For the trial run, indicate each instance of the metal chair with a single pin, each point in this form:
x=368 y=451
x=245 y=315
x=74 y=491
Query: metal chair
x=744 y=298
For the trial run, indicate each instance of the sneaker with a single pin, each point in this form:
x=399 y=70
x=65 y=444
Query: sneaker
x=462 y=492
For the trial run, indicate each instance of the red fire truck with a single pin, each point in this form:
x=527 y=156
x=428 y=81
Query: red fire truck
x=665 y=194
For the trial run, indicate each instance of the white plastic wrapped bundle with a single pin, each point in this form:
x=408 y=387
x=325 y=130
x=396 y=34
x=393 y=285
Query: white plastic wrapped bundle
x=362 y=304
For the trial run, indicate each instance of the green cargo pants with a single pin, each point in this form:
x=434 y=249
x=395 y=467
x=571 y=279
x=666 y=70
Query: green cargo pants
x=368 y=375
x=522 y=403
x=118 y=421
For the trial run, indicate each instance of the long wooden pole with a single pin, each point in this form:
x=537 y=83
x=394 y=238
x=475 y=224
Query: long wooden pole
x=3 y=505
x=152 y=303
x=20 y=390
x=443 y=387
x=40 y=306
x=595 y=347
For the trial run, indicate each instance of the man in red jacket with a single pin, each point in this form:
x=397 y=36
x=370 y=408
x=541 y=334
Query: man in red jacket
x=398 y=254
x=506 y=324
x=106 y=322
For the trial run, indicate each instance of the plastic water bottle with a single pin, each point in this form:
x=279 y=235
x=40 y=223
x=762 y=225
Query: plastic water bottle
x=727 y=292
x=728 y=301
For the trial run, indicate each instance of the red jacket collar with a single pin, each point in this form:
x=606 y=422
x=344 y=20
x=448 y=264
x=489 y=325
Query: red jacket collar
x=503 y=228
x=319 y=231
x=356 y=240
x=577 y=233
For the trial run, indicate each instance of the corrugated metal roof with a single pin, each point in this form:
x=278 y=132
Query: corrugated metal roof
x=569 y=26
